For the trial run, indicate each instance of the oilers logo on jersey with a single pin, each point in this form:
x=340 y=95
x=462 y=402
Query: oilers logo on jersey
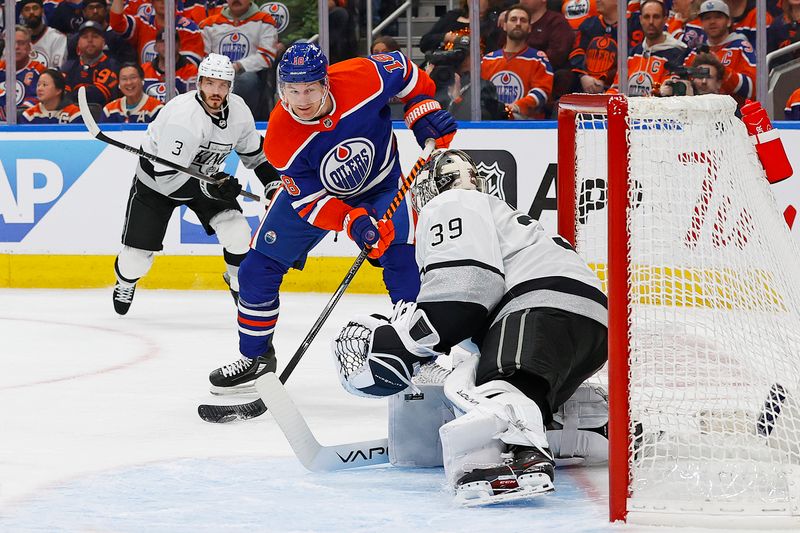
x=640 y=85
x=20 y=95
x=509 y=86
x=144 y=11
x=346 y=166
x=235 y=45
x=157 y=90
x=41 y=57
x=148 y=52
x=279 y=12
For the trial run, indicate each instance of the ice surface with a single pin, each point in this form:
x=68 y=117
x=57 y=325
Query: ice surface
x=100 y=432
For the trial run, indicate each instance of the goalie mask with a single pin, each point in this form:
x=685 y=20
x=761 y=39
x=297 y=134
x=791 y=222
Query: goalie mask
x=446 y=169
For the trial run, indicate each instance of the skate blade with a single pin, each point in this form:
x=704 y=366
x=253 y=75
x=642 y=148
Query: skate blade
x=483 y=498
x=238 y=390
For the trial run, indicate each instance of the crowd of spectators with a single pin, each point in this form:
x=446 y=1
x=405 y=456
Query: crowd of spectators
x=547 y=49
x=116 y=50
x=532 y=52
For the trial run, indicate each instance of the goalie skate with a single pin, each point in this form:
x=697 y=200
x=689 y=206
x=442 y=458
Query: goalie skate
x=526 y=474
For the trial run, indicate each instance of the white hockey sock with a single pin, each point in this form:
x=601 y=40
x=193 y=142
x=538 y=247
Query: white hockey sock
x=132 y=264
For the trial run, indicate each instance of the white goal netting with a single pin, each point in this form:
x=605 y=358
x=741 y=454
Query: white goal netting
x=714 y=320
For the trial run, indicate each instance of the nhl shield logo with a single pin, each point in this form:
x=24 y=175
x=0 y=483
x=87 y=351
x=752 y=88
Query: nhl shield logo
x=327 y=122
x=493 y=175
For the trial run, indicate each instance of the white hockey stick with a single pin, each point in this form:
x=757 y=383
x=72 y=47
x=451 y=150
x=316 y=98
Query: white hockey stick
x=314 y=456
x=97 y=133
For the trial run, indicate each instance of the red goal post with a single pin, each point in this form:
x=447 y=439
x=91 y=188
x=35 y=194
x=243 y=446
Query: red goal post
x=666 y=200
x=570 y=106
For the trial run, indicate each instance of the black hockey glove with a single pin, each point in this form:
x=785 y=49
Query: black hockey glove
x=226 y=188
x=271 y=189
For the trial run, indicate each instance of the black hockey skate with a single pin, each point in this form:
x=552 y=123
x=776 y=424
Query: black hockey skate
x=123 y=297
x=526 y=472
x=227 y=278
x=240 y=376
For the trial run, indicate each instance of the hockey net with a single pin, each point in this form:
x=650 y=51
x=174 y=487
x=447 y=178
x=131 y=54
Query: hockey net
x=665 y=198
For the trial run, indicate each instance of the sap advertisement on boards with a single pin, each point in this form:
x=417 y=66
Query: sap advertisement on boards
x=63 y=192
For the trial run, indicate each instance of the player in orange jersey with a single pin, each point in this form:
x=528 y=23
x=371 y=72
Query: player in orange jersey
x=522 y=75
x=732 y=49
x=649 y=63
x=141 y=31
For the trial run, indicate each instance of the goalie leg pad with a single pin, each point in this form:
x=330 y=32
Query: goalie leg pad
x=587 y=447
x=414 y=422
x=132 y=264
x=523 y=418
x=519 y=418
x=469 y=442
x=233 y=231
x=586 y=409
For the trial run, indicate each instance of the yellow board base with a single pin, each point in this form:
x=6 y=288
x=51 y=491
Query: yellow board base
x=321 y=274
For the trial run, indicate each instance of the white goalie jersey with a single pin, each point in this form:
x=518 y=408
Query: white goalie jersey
x=474 y=248
x=184 y=133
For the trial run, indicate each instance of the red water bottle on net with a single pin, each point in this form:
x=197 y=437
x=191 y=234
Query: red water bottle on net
x=767 y=142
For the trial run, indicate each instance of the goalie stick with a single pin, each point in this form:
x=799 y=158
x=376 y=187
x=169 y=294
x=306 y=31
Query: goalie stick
x=246 y=411
x=94 y=129
x=314 y=456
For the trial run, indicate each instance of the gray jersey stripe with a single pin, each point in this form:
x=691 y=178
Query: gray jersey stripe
x=500 y=347
x=462 y=284
x=518 y=357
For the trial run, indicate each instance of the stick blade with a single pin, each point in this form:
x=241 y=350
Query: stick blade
x=86 y=113
x=312 y=455
x=221 y=414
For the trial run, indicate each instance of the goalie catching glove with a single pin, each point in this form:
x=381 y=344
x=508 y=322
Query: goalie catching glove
x=226 y=187
x=376 y=357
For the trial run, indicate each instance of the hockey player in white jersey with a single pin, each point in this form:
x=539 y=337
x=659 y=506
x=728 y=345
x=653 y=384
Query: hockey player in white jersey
x=534 y=310
x=198 y=129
